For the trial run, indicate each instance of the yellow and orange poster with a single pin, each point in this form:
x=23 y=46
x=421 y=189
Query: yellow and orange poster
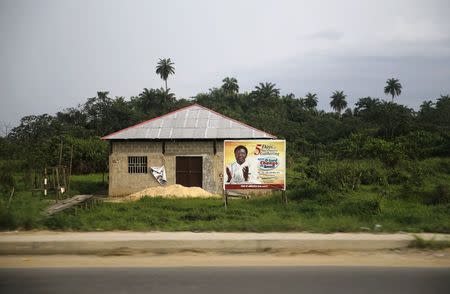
x=254 y=164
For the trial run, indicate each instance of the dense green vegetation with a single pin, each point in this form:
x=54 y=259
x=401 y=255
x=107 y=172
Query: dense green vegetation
x=377 y=162
x=373 y=127
x=340 y=196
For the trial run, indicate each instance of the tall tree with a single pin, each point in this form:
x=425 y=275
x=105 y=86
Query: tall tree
x=426 y=107
x=230 y=85
x=164 y=68
x=165 y=97
x=310 y=100
x=266 y=90
x=393 y=88
x=338 y=102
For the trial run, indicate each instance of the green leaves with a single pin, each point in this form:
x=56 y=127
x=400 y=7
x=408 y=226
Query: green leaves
x=164 y=68
x=230 y=85
x=338 y=102
x=393 y=88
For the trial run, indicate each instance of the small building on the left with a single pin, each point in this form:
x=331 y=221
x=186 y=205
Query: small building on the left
x=187 y=142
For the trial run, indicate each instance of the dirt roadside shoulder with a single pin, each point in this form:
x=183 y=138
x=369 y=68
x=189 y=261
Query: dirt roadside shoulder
x=390 y=258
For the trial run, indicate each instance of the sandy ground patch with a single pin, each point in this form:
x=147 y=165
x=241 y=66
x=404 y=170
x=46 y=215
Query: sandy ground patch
x=175 y=191
x=390 y=258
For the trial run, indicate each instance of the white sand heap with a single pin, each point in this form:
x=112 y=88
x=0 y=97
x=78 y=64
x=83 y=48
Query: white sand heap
x=171 y=191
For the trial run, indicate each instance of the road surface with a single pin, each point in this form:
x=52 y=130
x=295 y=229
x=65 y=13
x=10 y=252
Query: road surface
x=229 y=280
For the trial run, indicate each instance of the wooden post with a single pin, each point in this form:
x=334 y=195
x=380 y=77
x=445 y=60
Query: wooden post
x=70 y=168
x=45 y=181
x=10 y=197
x=64 y=178
x=60 y=152
x=225 y=199
x=54 y=181
x=35 y=180
x=58 y=187
x=283 y=193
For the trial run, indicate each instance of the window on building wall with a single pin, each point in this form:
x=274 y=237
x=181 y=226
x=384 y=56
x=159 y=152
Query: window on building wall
x=137 y=164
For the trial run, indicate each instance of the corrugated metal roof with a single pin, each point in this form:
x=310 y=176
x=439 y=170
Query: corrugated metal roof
x=191 y=122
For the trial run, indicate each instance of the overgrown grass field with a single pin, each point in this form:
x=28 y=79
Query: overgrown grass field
x=406 y=199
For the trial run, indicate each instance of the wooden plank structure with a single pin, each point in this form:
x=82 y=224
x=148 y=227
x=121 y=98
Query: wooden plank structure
x=66 y=203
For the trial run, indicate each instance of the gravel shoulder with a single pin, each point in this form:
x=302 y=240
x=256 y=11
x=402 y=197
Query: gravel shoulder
x=387 y=258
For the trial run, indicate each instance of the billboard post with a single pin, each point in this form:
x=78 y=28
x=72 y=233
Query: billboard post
x=254 y=164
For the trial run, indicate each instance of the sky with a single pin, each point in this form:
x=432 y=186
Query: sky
x=56 y=54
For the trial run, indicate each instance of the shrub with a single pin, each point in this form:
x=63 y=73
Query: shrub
x=417 y=175
x=362 y=146
x=432 y=244
x=7 y=181
x=306 y=189
x=7 y=220
x=361 y=207
x=23 y=212
x=440 y=195
x=444 y=165
x=397 y=176
x=372 y=172
x=342 y=175
x=420 y=144
x=388 y=152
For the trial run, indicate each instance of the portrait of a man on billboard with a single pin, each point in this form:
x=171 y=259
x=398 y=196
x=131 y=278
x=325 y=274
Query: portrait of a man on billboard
x=241 y=171
x=254 y=164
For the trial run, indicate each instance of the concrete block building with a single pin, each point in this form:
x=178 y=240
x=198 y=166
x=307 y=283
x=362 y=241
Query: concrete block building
x=188 y=142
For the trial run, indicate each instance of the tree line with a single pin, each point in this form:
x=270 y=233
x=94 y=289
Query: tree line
x=373 y=127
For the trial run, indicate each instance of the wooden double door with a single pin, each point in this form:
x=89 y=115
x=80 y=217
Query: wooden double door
x=189 y=171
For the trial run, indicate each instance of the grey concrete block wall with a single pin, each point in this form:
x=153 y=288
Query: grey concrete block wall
x=123 y=183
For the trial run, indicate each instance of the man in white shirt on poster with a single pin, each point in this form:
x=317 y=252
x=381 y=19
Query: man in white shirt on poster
x=241 y=171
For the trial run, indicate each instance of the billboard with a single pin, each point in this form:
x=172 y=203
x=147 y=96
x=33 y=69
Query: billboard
x=254 y=164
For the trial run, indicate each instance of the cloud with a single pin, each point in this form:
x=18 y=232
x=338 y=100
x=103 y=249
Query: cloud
x=58 y=53
x=330 y=35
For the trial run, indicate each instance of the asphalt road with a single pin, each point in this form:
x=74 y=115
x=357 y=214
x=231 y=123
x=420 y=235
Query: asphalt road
x=280 y=280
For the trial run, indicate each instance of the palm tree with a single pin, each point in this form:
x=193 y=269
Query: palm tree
x=444 y=98
x=426 y=106
x=230 y=85
x=164 y=68
x=310 y=100
x=338 y=101
x=165 y=95
x=393 y=88
x=266 y=90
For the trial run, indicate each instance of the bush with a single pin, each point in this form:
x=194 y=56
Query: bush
x=432 y=244
x=7 y=220
x=388 y=152
x=7 y=181
x=440 y=195
x=342 y=175
x=444 y=165
x=23 y=212
x=360 y=207
x=362 y=146
x=420 y=144
x=397 y=176
x=307 y=189
x=373 y=172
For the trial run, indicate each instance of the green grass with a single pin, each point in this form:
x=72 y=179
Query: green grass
x=89 y=184
x=432 y=244
x=422 y=208
x=349 y=214
x=24 y=212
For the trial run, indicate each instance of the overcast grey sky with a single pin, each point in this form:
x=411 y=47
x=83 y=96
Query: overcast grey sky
x=55 y=54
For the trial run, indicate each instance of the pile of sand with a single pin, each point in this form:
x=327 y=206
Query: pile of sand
x=170 y=191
